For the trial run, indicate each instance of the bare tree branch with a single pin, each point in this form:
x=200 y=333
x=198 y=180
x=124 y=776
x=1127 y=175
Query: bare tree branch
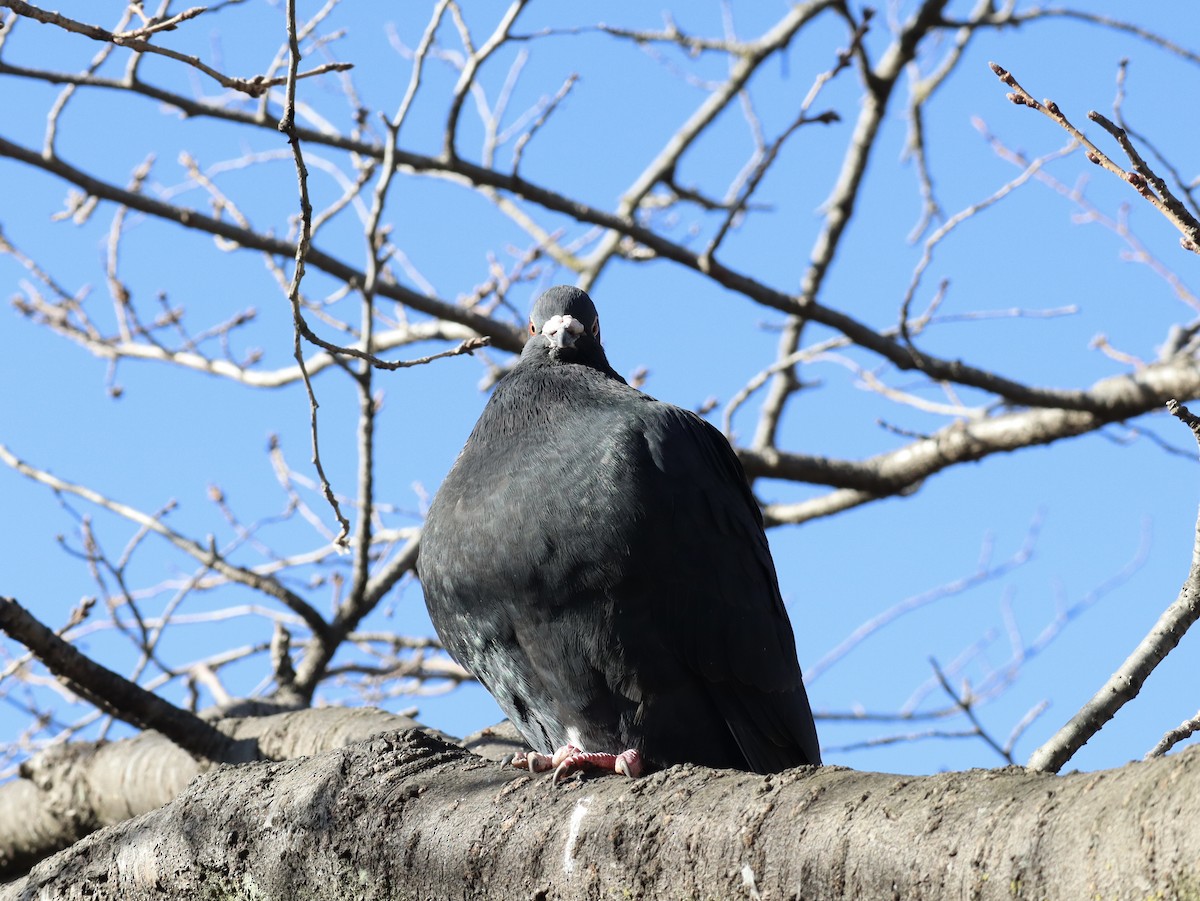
x=208 y=556
x=1143 y=179
x=109 y=691
x=135 y=40
x=1127 y=681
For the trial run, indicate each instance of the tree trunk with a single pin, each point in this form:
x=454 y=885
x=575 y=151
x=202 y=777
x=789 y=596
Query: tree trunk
x=404 y=815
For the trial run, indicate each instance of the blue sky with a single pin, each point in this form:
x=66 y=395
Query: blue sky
x=1099 y=502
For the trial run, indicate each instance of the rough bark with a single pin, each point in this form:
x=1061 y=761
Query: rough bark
x=69 y=791
x=404 y=815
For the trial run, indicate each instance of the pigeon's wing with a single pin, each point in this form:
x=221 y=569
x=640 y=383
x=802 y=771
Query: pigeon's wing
x=708 y=589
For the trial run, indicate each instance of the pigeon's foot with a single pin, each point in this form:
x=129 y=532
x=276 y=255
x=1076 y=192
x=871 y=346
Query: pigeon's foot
x=627 y=763
x=569 y=759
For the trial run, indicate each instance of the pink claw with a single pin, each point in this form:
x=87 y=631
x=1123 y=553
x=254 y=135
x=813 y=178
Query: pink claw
x=533 y=761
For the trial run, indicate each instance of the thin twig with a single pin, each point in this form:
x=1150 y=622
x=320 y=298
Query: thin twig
x=1184 y=730
x=965 y=703
x=288 y=126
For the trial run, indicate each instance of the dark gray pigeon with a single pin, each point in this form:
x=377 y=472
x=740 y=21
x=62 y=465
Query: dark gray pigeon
x=596 y=559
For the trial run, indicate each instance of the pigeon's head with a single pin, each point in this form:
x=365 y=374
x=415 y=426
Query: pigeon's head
x=565 y=325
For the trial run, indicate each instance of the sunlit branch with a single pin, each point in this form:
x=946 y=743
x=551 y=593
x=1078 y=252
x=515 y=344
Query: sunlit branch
x=1124 y=685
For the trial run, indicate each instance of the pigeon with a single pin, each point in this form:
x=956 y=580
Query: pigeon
x=596 y=558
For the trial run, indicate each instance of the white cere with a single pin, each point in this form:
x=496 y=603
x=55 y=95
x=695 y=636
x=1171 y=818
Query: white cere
x=565 y=321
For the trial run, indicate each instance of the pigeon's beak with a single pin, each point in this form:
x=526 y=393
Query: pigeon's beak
x=562 y=331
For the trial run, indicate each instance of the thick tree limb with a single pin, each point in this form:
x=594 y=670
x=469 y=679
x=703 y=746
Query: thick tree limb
x=902 y=470
x=406 y=816
x=69 y=791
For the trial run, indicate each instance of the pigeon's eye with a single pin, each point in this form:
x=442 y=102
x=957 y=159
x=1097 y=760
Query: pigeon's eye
x=596 y=328
x=532 y=329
